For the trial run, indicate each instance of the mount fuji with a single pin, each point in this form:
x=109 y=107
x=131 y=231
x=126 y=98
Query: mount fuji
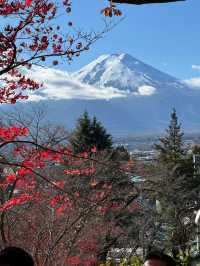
x=126 y=74
x=127 y=95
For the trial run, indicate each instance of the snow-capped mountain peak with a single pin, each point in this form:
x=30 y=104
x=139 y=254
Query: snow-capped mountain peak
x=124 y=72
x=116 y=88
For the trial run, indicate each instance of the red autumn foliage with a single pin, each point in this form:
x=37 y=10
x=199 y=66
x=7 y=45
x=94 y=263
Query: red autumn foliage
x=59 y=199
x=61 y=194
x=10 y=133
x=85 y=171
x=28 y=38
x=15 y=201
x=75 y=260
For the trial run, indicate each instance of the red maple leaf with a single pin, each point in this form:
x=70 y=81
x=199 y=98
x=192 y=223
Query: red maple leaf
x=28 y=2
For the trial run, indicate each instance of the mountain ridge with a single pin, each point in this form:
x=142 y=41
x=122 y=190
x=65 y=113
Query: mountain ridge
x=134 y=101
x=121 y=71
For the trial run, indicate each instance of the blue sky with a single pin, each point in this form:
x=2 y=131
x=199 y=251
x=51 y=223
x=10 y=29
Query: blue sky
x=166 y=36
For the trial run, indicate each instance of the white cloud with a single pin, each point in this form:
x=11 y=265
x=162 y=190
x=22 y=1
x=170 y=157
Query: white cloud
x=196 y=67
x=193 y=82
x=58 y=84
x=145 y=90
x=35 y=98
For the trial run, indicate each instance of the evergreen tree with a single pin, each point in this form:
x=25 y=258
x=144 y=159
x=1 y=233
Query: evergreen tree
x=176 y=187
x=170 y=149
x=89 y=133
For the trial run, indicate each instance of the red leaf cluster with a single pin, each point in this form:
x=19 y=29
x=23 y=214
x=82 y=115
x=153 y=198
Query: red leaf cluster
x=61 y=203
x=85 y=171
x=15 y=201
x=76 y=260
x=10 y=133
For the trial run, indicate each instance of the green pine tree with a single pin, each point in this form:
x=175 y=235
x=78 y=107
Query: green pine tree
x=89 y=133
x=174 y=184
x=170 y=149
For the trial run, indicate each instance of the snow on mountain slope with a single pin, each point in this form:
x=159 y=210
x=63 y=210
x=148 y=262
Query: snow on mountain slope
x=124 y=72
x=107 y=77
x=127 y=95
x=59 y=85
